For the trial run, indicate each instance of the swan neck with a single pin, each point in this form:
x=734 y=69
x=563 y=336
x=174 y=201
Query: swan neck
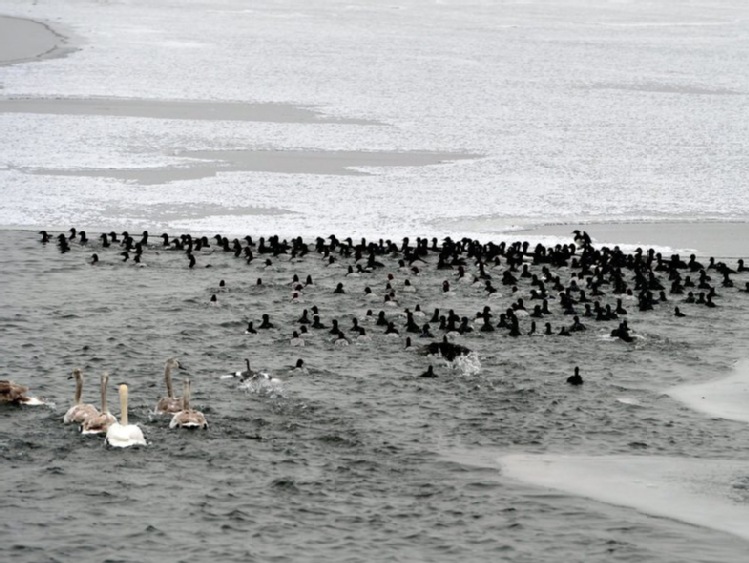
x=104 y=381
x=168 y=379
x=123 y=405
x=186 y=397
x=78 y=388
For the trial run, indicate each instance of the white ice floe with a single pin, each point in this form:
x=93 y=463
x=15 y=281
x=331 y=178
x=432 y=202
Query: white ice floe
x=721 y=398
x=703 y=492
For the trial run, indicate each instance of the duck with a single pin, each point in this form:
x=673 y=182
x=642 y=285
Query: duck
x=429 y=372
x=187 y=417
x=260 y=381
x=79 y=412
x=101 y=422
x=296 y=340
x=266 y=324
x=576 y=379
x=121 y=434
x=363 y=337
x=169 y=404
x=246 y=373
x=12 y=392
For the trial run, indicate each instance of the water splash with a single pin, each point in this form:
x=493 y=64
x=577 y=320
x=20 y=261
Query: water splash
x=264 y=385
x=467 y=366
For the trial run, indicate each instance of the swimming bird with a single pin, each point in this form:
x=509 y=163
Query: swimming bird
x=429 y=372
x=575 y=379
x=169 y=404
x=261 y=382
x=80 y=411
x=296 y=340
x=244 y=374
x=12 y=392
x=187 y=417
x=121 y=434
x=446 y=349
x=363 y=337
x=102 y=421
x=299 y=368
x=340 y=338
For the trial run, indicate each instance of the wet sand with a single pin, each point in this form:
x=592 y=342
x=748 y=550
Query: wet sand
x=23 y=40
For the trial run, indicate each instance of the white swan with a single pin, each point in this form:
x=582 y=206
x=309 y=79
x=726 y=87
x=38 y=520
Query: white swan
x=80 y=411
x=12 y=392
x=100 y=423
x=121 y=434
x=169 y=404
x=187 y=417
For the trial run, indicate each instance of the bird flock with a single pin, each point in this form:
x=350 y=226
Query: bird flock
x=97 y=421
x=546 y=291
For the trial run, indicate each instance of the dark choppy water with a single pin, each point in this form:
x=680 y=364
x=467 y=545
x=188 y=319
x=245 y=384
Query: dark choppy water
x=357 y=461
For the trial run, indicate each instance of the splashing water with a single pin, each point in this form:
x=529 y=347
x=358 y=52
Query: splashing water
x=263 y=385
x=467 y=366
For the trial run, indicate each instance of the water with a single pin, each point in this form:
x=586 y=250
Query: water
x=578 y=112
x=358 y=460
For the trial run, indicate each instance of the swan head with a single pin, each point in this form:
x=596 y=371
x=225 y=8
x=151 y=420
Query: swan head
x=77 y=374
x=173 y=363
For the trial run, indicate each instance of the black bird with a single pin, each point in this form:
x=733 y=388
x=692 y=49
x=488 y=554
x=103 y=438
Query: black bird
x=575 y=379
x=429 y=372
x=447 y=349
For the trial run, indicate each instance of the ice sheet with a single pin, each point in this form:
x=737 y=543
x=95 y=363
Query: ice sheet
x=704 y=492
x=721 y=398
